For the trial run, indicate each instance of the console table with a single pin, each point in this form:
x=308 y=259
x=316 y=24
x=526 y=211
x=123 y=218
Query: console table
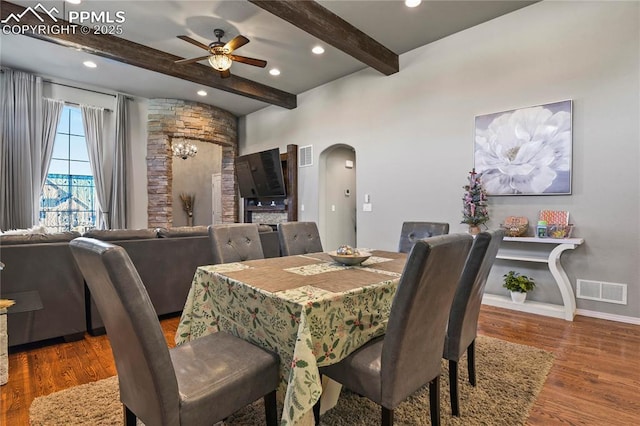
x=511 y=252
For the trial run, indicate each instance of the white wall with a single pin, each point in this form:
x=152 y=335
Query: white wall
x=413 y=131
x=337 y=210
x=137 y=169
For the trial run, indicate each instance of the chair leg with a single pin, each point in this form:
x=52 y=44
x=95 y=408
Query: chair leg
x=128 y=416
x=434 y=401
x=316 y=412
x=387 y=417
x=271 y=409
x=453 y=388
x=471 y=362
x=316 y=408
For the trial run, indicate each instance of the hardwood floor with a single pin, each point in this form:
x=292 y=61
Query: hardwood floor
x=595 y=379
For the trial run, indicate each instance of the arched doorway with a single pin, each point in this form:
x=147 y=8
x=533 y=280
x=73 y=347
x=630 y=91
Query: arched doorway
x=337 y=193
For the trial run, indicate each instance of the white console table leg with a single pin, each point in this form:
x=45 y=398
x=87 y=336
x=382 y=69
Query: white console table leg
x=568 y=297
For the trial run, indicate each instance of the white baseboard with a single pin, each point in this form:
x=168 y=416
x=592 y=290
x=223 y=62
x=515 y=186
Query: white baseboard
x=610 y=317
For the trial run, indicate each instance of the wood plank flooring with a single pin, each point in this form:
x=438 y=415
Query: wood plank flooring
x=595 y=379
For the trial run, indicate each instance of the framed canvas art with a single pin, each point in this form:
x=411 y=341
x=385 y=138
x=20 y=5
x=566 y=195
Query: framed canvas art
x=525 y=151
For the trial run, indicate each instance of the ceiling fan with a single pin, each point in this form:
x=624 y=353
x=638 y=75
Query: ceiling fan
x=220 y=57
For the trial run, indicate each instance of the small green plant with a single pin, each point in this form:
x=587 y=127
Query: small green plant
x=513 y=281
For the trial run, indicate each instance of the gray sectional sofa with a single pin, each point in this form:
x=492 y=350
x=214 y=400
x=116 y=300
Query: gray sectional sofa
x=41 y=276
x=52 y=299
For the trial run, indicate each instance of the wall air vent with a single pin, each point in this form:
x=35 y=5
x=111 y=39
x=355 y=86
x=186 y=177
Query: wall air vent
x=602 y=291
x=305 y=156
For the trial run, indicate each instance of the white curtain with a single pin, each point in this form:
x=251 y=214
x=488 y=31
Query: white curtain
x=20 y=149
x=93 y=122
x=118 y=208
x=52 y=109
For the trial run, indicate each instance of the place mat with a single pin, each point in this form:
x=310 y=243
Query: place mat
x=347 y=279
x=269 y=279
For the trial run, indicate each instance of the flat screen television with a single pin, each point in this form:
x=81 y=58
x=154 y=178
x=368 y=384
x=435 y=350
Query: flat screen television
x=260 y=174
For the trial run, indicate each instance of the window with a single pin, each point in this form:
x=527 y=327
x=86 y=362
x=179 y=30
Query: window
x=68 y=200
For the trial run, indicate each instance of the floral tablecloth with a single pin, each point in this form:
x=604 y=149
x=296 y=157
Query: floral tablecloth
x=308 y=309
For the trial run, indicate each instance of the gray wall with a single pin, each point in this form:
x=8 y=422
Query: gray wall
x=193 y=176
x=413 y=132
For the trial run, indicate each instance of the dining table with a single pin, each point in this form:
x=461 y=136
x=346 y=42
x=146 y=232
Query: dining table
x=309 y=309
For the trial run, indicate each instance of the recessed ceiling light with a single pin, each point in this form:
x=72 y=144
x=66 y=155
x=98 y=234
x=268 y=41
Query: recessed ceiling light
x=318 y=50
x=202 y=93
x=89 y=64
x=274 y=71
x=412 y=3
x=74 y=1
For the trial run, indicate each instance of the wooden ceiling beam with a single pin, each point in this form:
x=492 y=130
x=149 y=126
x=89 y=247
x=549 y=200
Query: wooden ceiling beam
x=135 y=54
x=320 y=22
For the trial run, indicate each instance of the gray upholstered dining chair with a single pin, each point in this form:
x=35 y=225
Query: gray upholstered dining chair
x=465 y=309
x=235 y=242
x=198 y=383
x=299 y=238
x=414 y=231
x=392 y=367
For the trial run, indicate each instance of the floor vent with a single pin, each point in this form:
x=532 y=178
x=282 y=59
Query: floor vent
x=305 y=156
x=602 y=291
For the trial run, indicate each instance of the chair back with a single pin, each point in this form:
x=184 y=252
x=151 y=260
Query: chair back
x=414 y=231
x=235 y=242
x=299 y=238
x=412 y=348
x=465 y=309
x=148 y=384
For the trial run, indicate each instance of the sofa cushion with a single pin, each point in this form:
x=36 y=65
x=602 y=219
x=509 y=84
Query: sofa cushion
x=182 y=231
x=121 y=234
x=57 y=237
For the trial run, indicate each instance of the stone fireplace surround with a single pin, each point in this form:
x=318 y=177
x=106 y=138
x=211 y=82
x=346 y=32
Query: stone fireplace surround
x=170 y=119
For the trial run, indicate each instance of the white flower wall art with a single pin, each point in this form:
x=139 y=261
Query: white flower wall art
x=525 y=151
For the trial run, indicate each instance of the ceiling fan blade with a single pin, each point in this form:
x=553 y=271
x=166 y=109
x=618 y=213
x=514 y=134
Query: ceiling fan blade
x=236 y=42
x=189 y=61
x=194 y=42
x=250 y=61
x=225 y=74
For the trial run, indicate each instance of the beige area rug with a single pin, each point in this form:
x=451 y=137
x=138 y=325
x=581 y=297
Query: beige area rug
x=510 y=376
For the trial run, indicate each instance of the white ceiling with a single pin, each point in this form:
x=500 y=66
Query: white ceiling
x=157 y=23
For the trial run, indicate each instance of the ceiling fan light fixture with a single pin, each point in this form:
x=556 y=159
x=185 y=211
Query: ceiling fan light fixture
x=220 y=62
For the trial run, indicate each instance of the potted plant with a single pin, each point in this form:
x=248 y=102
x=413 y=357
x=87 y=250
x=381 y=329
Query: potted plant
x=518 y=285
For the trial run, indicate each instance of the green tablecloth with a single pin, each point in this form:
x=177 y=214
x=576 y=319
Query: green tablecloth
x=308 y=309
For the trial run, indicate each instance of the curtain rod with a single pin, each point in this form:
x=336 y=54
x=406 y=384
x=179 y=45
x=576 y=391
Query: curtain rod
x=75 y=87
x=77 y=104
x=79 y=88
x=86 y=90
